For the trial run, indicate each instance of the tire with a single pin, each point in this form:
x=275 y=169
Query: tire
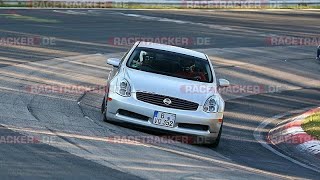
x=103 y=110
x=318 y=53
x=103 y=105
x=215 y=144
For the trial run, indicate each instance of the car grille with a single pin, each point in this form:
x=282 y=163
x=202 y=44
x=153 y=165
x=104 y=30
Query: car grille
x=176 y=103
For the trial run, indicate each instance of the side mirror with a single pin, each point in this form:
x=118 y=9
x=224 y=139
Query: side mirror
x=223 y=83
x=114 y=62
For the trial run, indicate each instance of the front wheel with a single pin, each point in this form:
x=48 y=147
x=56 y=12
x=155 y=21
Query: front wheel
x=104 y=110
x=103 y=105
x=215 y=144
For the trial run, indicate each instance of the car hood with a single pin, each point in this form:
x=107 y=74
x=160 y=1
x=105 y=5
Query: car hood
x=193 y=91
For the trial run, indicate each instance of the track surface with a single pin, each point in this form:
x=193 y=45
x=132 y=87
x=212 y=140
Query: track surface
x=80 y=149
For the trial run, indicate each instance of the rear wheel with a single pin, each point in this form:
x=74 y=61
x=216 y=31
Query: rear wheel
x=104 y=110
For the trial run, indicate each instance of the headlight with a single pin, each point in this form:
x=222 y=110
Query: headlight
x=123 y=88
x=211 y=105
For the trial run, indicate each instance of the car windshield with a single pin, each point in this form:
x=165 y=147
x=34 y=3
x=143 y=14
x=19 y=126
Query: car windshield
x=170 y=64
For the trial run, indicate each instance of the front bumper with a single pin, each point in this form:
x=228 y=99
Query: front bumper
x=147 y=110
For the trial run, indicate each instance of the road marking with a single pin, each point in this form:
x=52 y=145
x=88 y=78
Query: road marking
x=153 y=18
x=260 y=138
x=212 y=160
x=76 y=136
x=293 y=131
x=71 y=12
x=228 y=164
x=84 y=64
x=59 y=39
x=211 y=26
x=312 y=147
x=28 y=18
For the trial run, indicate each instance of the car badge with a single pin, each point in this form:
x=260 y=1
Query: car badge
x=167 y=101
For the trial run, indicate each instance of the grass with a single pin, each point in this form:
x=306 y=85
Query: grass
x=311 y=124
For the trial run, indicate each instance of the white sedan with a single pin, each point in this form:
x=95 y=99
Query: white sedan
x=169 y=88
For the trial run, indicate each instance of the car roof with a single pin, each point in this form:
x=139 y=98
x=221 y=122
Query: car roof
x=172 y=49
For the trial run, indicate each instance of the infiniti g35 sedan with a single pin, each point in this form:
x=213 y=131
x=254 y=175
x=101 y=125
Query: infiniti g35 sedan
x=164 y=87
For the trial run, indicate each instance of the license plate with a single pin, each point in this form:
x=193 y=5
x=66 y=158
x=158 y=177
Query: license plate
x=164 y=119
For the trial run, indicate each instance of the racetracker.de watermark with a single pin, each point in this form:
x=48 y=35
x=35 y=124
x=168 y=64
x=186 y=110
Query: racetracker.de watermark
x=292 y=41
x=185 y=89
x=291 y=139
x=169 y=40
x=65 y=89
x=232 y=89
x=194 y=4
x=76 y=4
x=22 y=139
x=174 y=139
x=226 y=4
x=28 y=41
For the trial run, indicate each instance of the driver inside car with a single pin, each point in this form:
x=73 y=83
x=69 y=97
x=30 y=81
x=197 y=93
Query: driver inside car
x=189 y=70
x=147 y=59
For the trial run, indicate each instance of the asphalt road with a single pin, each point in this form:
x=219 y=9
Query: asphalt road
x=79 y=148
